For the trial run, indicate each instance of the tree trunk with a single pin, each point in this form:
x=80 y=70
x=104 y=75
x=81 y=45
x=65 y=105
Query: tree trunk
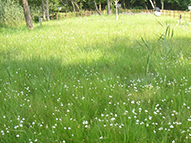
x=97 y=8
x=146 y=6
x=73 y=6
x=47 y=10
x=116 y=9
x=108 y=7
x=43 y=11
x=85 y=6
x=162 y=4
x=155 y=4
x=123 y=4
x=152 y=4
x=66 y=5
x=27 y=14
x=99 y=5
x=77 y=5
x=128 y=4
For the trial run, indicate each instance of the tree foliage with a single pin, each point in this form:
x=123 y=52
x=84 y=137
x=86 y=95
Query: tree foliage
x=11 y=13
x=178 y=4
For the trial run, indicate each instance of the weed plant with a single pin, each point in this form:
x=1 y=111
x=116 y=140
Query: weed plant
x=167 y=46
x=83 y=80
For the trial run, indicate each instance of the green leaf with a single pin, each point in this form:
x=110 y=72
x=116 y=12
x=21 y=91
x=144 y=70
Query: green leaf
x=160 y=24
x=172 y=34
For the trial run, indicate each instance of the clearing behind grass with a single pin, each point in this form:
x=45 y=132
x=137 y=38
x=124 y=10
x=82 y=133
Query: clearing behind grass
x=89 y=80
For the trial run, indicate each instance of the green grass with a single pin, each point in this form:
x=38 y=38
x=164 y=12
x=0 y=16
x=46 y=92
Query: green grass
x=83 y=80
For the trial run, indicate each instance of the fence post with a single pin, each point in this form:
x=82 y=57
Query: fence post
x=174 y=13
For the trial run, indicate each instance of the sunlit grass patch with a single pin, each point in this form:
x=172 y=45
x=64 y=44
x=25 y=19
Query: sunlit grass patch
x=83 y=80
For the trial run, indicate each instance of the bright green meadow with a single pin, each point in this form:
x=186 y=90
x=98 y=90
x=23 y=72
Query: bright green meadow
x=95 y=79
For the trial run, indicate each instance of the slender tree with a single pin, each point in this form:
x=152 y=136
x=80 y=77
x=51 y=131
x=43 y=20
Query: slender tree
x=99 y=5
x=74 y=3
x=77 y=6
x=116 y=9
x=108 y=7
x=152 y=4
x=162 y=4
x=27 y=14
x=43 y=11
x=47 y=10
x=73 y=6
x=97 y=8
x=123 y=5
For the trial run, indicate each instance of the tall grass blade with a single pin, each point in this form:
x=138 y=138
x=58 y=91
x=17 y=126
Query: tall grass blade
x=140 y=43
x=145 y=42
x=8 y=74
x=160 y=24
x=161 y=37
x=170 y=50
x=167 y=31
x=148 y=58
x=172 y=33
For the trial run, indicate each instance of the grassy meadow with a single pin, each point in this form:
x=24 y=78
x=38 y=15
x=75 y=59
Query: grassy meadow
x=93 y=79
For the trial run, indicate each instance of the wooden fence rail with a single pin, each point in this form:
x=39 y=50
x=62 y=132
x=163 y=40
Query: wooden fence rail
x=185 y=15
x=61 y=16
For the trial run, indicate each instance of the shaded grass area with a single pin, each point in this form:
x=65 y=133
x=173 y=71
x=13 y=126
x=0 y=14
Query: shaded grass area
x=83 y=80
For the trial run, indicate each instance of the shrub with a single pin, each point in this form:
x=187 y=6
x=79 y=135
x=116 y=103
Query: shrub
x=138 y=7
x=35 y=11
x=11 y=14
x=36 y=19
